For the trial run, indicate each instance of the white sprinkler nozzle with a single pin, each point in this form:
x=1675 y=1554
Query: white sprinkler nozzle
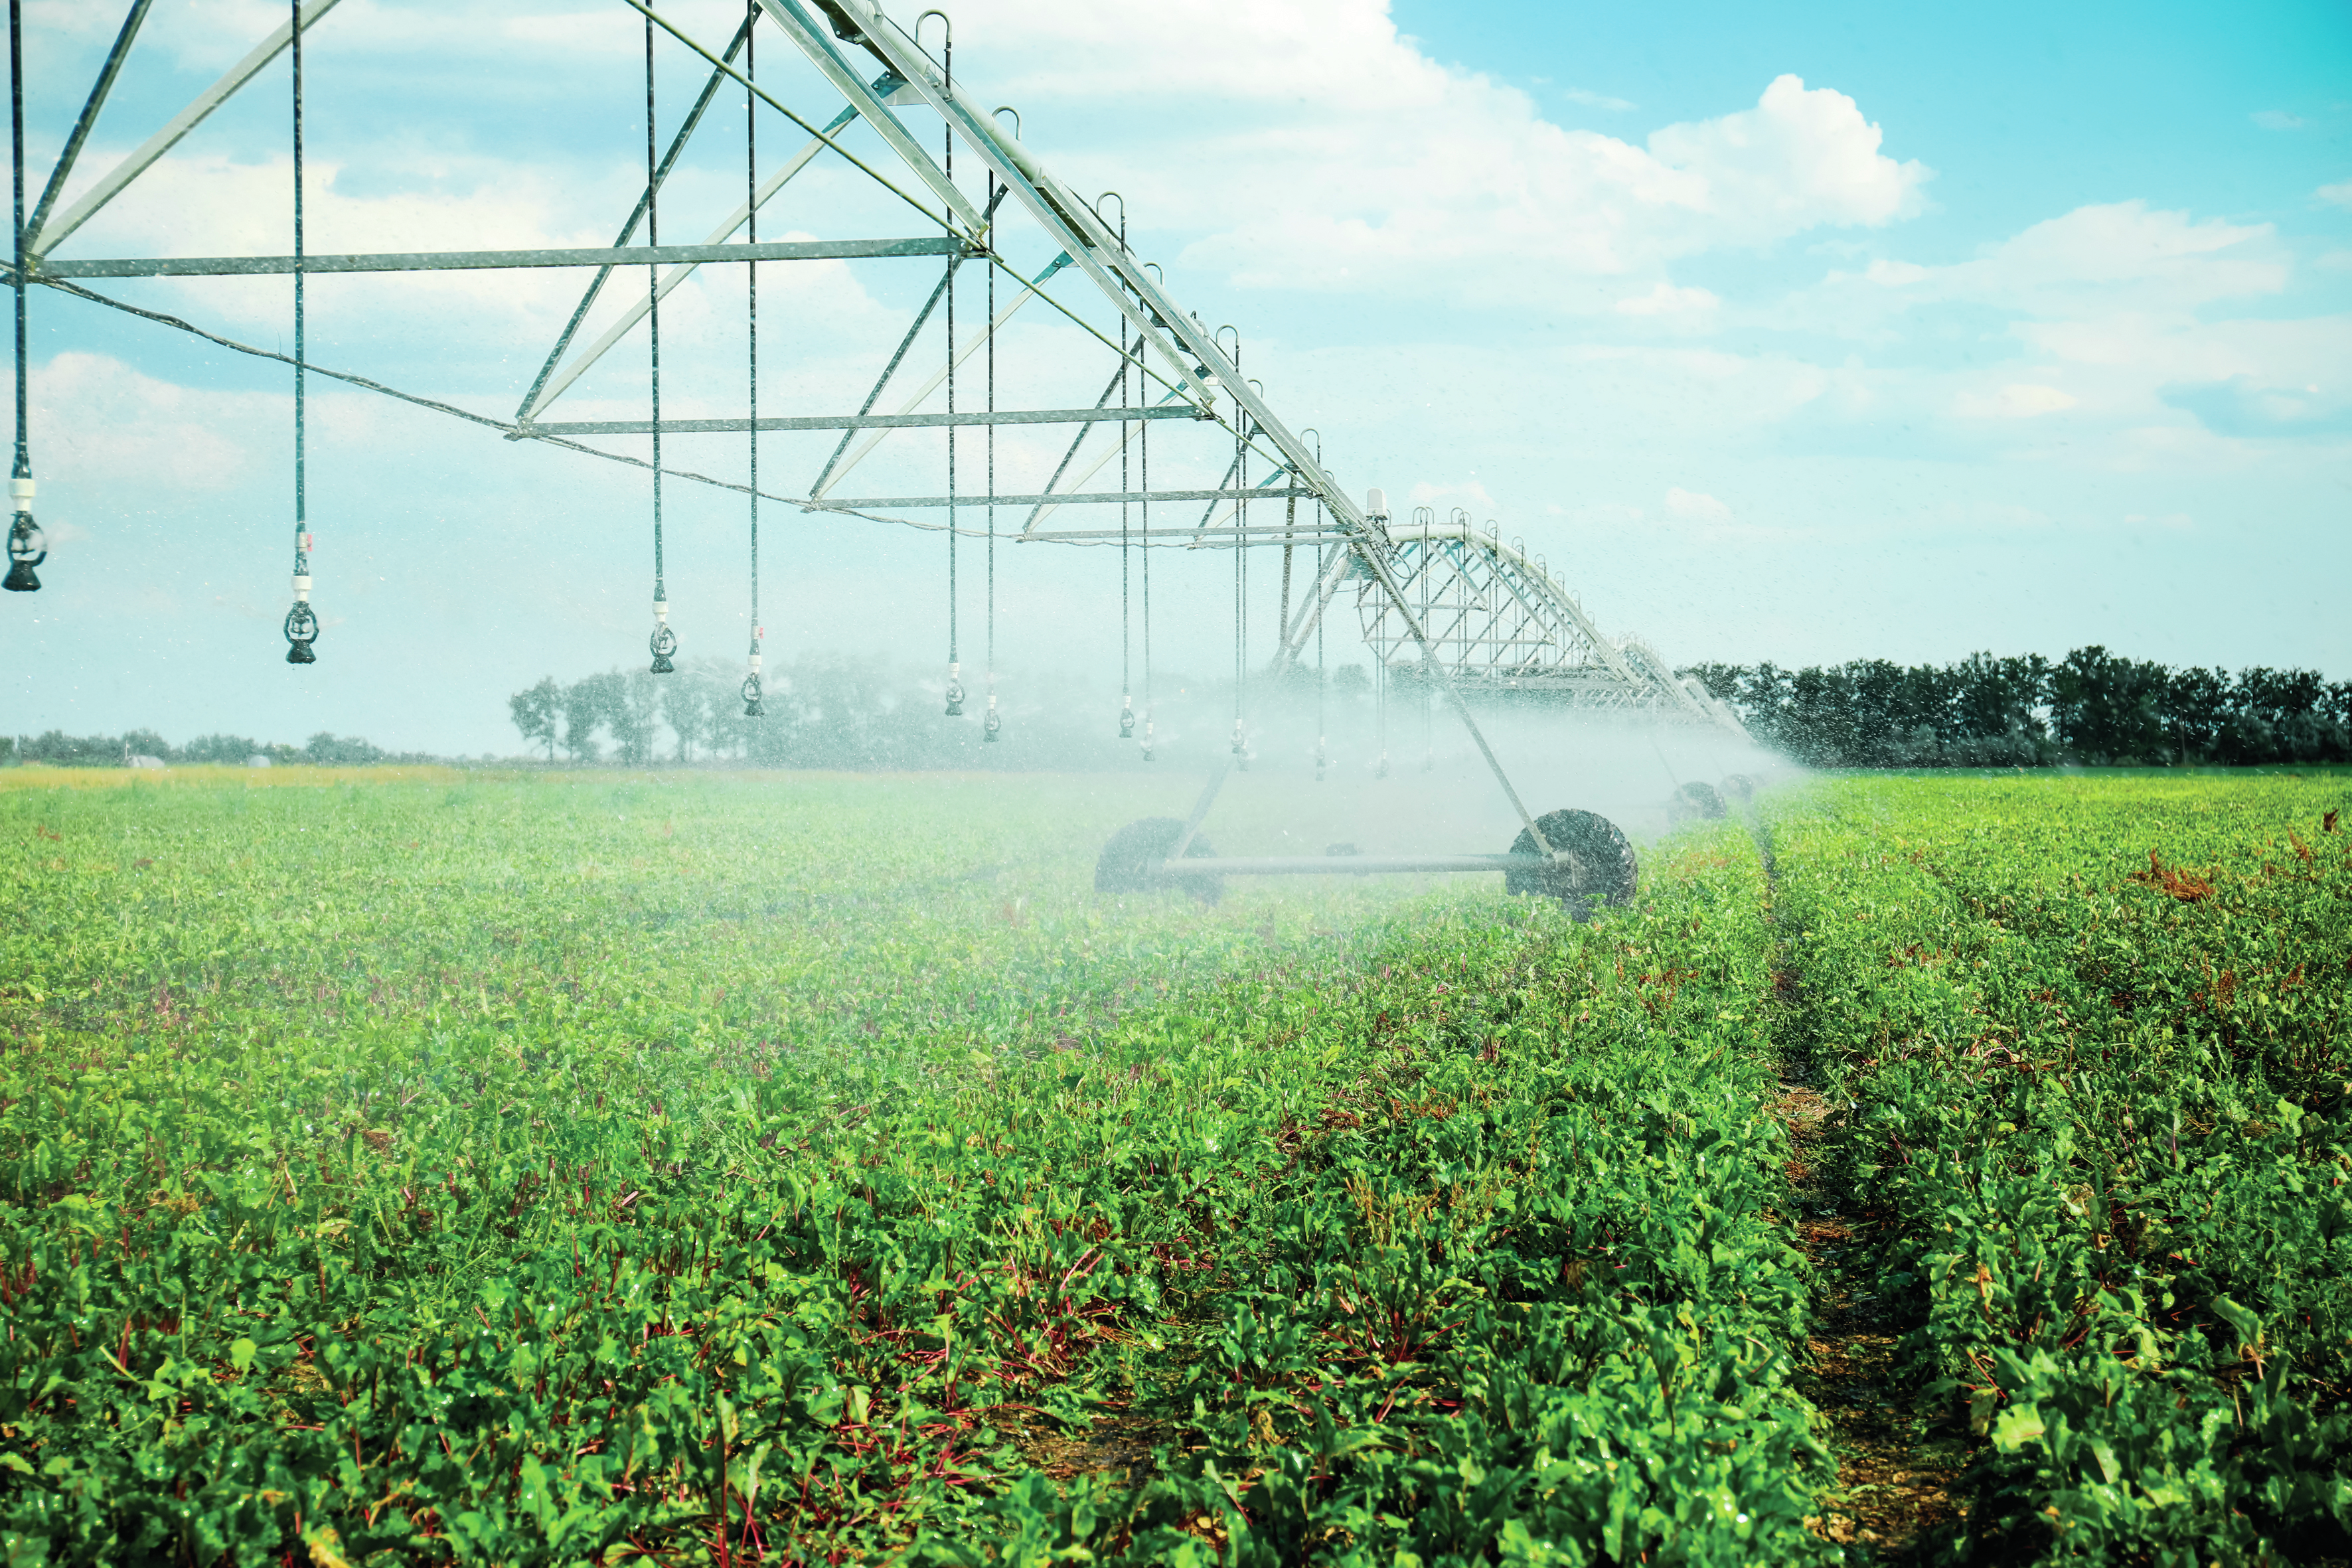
x=20 y=495
x=303 y=586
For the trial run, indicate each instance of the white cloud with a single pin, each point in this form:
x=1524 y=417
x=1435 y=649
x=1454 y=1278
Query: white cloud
x=73 y=18
x=1480 y=198
x=1799 y=159
x=2113 y=308
x=1694 y=506
x=2278 y=119
x=1664 y=300
x=1311 y=146
x=2339 y=194
x=1591 y=99
x=97 y=422
x=2118 y=255
x=2018 y=400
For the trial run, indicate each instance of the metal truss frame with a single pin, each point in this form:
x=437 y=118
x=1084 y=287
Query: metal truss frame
x=1498 y=621
x=1473 y=611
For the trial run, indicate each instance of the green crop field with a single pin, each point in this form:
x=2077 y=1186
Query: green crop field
x=409 y=1167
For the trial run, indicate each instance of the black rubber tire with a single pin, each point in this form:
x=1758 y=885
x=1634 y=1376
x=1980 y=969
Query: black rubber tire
x=1695 y=802
x=1602 y=872
x=1131 y=862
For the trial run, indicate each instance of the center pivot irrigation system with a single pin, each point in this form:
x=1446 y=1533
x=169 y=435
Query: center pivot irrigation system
x=1083 y=332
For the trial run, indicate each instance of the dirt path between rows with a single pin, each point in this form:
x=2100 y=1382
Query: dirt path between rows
x=1897 y=1453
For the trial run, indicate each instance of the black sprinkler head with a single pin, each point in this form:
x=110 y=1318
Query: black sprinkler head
x=28 y=546
x=301 y=630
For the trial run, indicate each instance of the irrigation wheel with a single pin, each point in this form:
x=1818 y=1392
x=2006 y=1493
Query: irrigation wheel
x=1695 y=802
x=1739 y=786
x=1602 y=869
x=1131 y=862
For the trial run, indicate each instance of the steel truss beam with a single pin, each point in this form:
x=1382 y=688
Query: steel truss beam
x=476 y=261
x=861 y=421
x=981 y=498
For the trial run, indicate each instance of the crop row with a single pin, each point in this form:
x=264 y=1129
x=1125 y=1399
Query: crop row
x=539 y=1174
x=2090 y=1042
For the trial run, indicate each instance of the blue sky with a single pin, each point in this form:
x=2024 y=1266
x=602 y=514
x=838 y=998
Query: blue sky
x=1800 y=335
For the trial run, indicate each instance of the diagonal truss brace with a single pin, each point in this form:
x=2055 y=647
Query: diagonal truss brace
x=88 y=119
x=553 y=382
x=113 y=183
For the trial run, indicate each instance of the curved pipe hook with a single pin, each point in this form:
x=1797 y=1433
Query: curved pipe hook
x=1121 y=230
x=1008 y=109
x=946 y=25
x=1307 y=430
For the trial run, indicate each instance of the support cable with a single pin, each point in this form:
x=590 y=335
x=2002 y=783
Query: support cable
x=27 y=545
x=1428 y=740
x=955 y=667
x=1143 y=478
x=992 y=721
x=512 y=431
x=751 y=685
x=1126 y=555
x=1290 y=534
x=301 y=626
x=1322 y=680
x=664 y=641
x=1241 y=612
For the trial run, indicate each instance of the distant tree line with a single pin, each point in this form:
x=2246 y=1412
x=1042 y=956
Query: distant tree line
x=2090 y=706
x=823 y=712
x=58 y=749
